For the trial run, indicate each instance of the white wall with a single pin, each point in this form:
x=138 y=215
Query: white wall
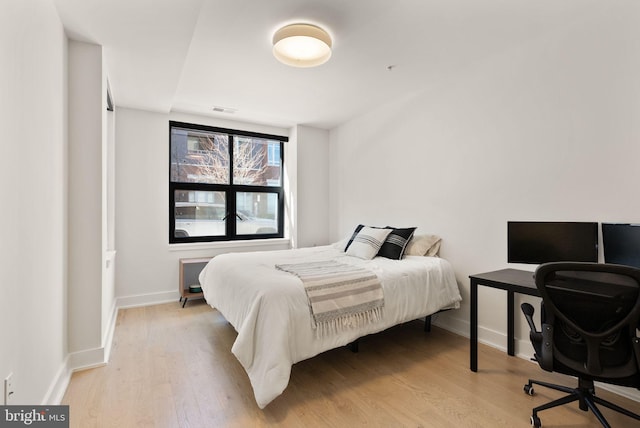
x=547 y=131
x=86 y=136
x=312 y=186
x=108 y=235
x=91 y=295
x=33 y=115
x=147 y=266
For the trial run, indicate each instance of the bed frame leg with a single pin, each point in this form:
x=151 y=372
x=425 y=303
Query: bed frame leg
x=353 y=346
x=427 y=324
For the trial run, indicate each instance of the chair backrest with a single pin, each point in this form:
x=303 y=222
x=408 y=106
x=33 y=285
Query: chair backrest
x=591 y=311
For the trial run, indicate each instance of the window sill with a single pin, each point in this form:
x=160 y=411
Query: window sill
x=230 y=244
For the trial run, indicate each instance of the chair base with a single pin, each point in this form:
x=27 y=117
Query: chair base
x=585 y=395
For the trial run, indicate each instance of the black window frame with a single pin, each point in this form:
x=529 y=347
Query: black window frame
x=231 y=190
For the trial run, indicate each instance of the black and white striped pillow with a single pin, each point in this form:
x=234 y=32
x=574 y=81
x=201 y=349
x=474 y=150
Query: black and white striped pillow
x=367 y=242
x=353 y=236
x=396 y=243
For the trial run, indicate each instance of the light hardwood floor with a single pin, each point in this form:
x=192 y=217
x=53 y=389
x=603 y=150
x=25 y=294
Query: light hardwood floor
x=172 y=367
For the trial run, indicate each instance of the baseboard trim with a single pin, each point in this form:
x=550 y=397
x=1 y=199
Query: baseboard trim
x=627 y=392
x=107 y=340
x=524 y=349
x=95 y=357
x=447 y=321
x=74 y=362
x=59 y=385
x=87 y=359
x=81 y=360
x=147 y=299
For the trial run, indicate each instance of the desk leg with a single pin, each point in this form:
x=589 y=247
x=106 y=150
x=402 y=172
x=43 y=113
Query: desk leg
x=474 y=327
x=510 y=323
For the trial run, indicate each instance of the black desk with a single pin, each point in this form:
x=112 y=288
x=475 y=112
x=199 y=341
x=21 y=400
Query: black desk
x=511 y=280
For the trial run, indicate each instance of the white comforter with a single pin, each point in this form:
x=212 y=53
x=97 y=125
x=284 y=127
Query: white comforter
x=269 y=308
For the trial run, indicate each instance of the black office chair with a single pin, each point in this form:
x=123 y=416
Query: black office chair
x=589 y=315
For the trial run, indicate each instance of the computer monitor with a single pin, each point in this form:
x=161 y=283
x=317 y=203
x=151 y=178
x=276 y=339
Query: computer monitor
x=537 y=242
x=621 y=242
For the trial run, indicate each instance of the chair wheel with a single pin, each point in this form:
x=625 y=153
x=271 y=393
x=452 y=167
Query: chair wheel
x=529 y=389
x=535 y=421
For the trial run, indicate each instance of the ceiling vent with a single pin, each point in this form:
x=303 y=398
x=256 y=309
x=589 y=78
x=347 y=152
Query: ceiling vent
x=219 y=109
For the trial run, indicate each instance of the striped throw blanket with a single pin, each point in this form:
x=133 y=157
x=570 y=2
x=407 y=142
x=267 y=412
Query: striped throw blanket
x=340 y=296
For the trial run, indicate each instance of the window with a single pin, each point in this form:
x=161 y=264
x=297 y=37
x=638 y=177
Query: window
x=224 y=184
x=273 y=155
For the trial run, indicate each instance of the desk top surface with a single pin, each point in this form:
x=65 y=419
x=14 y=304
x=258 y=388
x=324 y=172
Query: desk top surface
x=507 y=279
x=523 y=281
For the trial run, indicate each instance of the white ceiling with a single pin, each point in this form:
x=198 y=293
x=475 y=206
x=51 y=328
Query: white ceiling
x=192 y=55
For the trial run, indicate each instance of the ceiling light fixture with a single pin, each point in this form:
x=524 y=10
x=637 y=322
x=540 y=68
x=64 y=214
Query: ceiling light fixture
x=302 y=45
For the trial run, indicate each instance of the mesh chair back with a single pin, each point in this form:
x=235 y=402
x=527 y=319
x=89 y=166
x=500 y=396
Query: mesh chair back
x=592 y=310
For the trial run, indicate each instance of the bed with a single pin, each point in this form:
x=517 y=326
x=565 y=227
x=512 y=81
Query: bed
x=270 y=310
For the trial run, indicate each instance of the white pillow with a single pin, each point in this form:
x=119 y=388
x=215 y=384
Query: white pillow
x=367 y=242
x=423 y=245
